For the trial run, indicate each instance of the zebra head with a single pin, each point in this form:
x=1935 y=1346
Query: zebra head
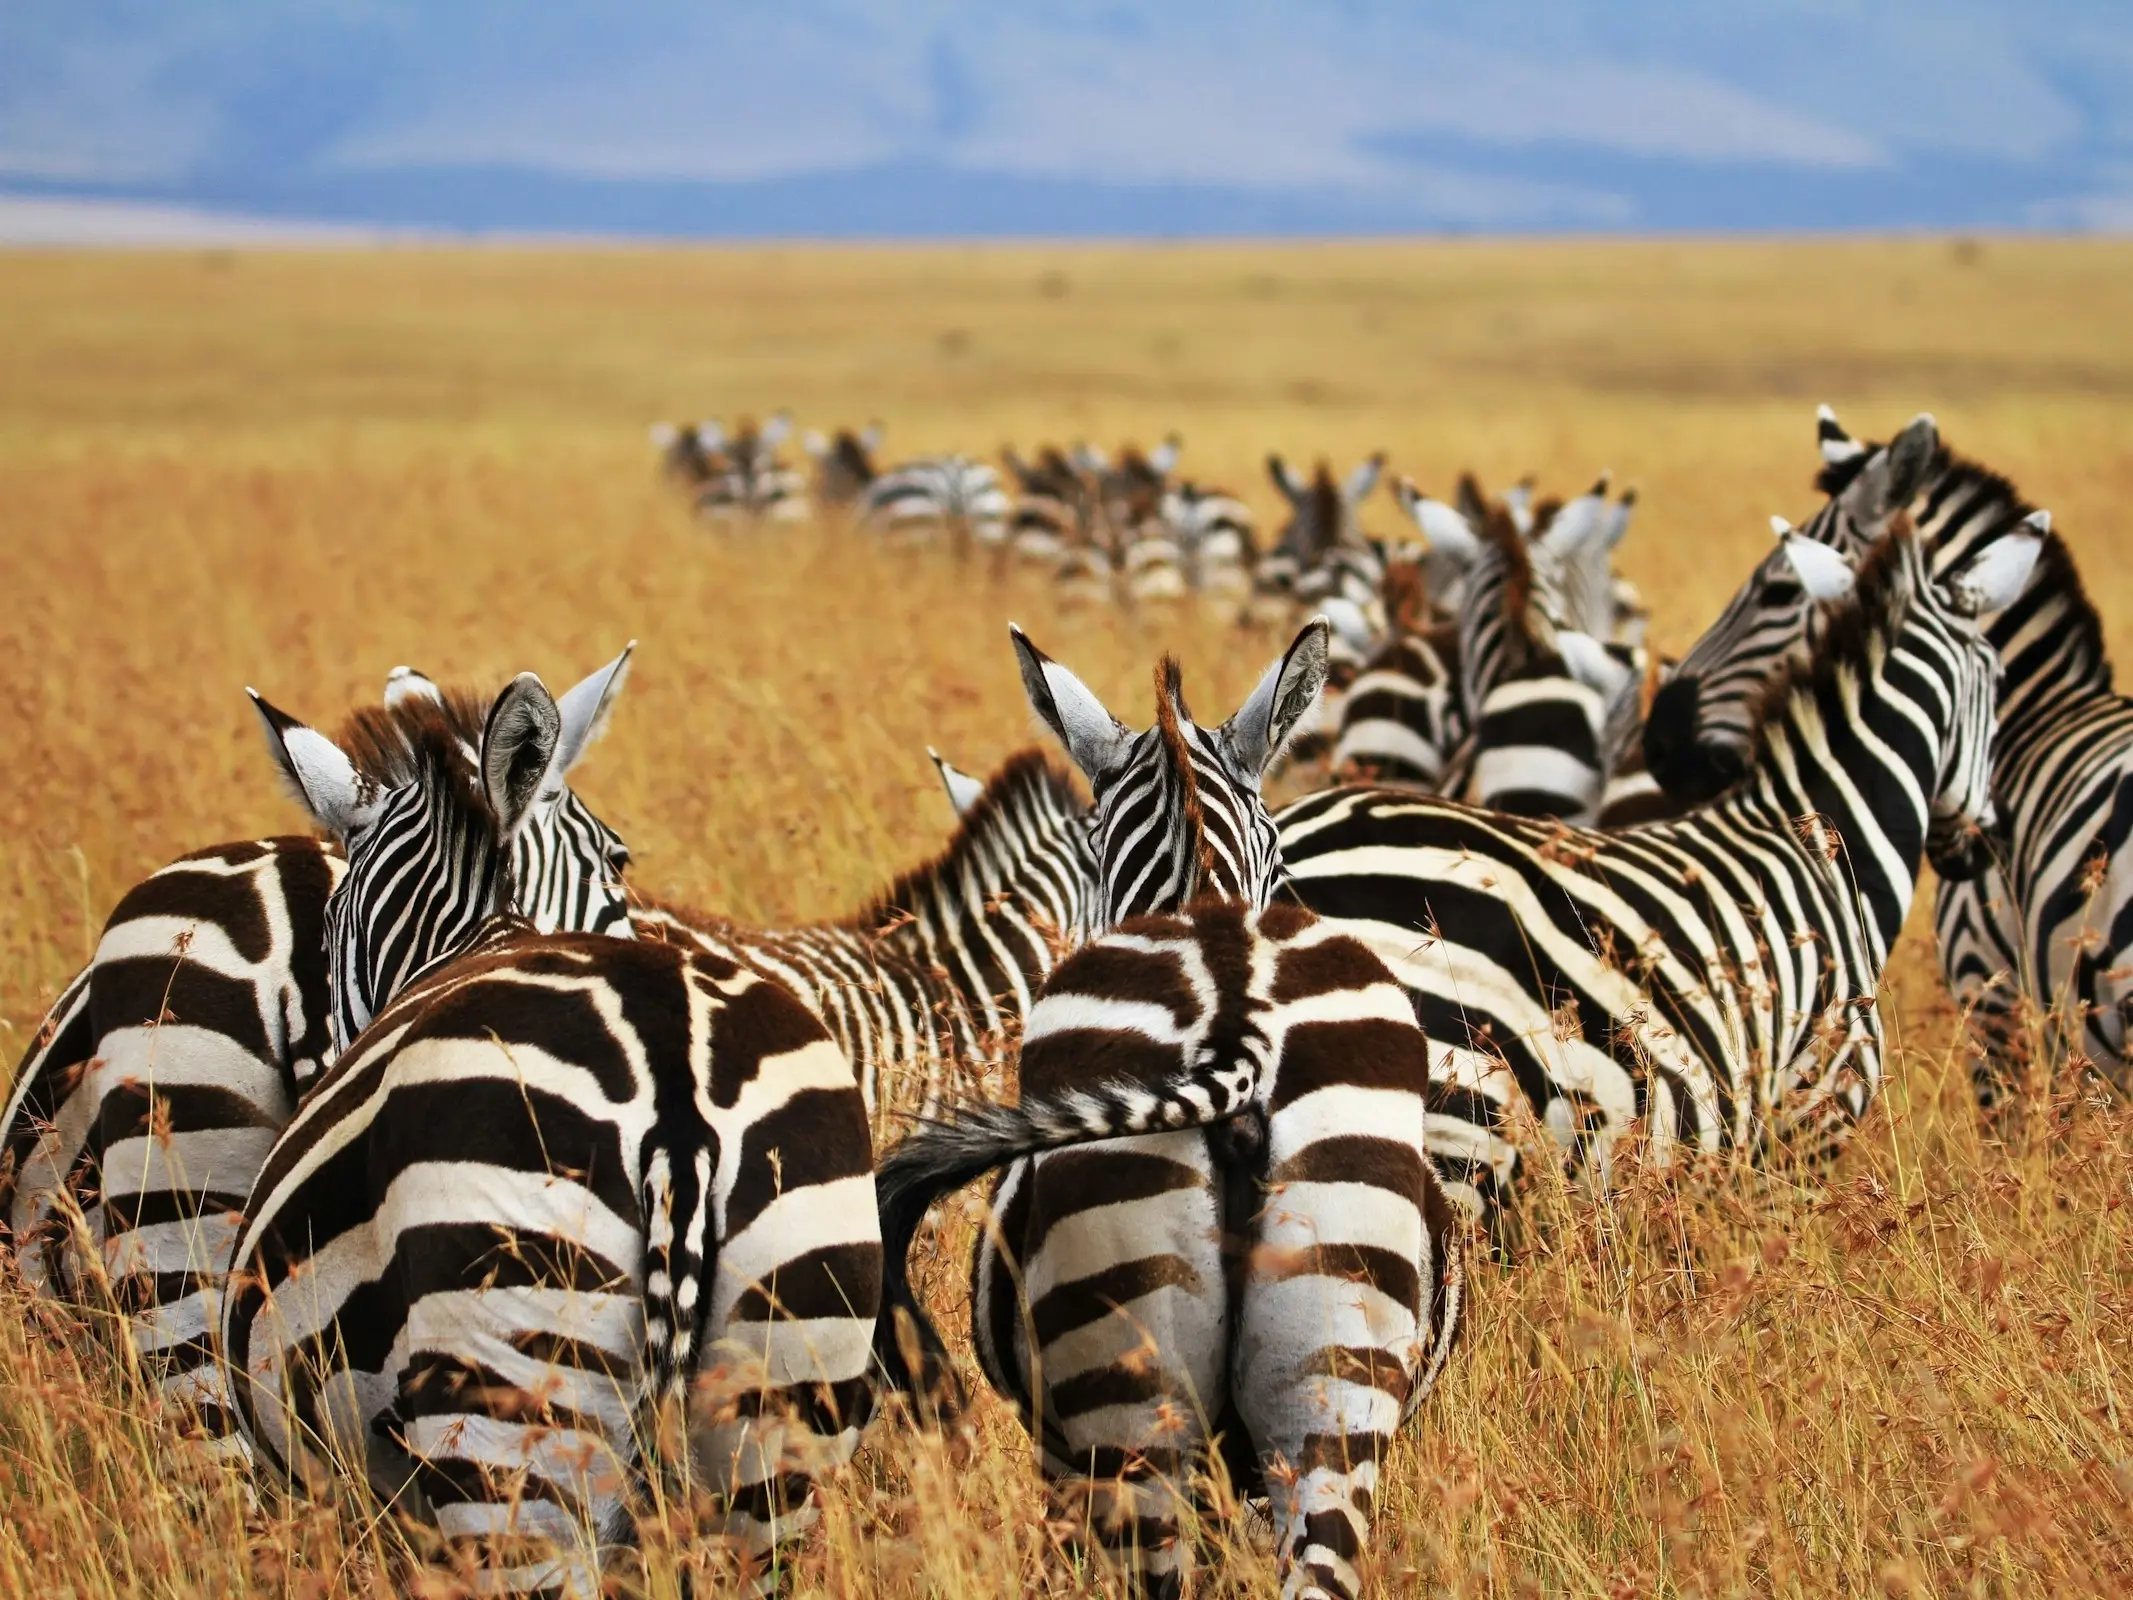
x=1178 y=810
x=1889 y=615
x=1697 y=737
x=449 y=816
x=1322 y=513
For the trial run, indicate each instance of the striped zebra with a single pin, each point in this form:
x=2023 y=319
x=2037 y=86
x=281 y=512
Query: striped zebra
x=745 y=480
x=141 y=1114
x=1053 y=514
x=939 y=496
x=1712 y=979
x=1322 y=550
x=1218 y=1233
x=1538 y=693
x=560 y=1181
x=1402 y=719
x=2039 y=934
x=1216 y=539
x=844 y=466
x=936 y=974
x=682 y=460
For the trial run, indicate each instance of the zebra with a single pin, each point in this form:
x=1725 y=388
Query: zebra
x=1714 y=977
x=940 y=969
x=940 y=494
x=844 y=466
x=2035 y=934
x=682 y=459
x=560 y=1180
x=1216 y=539
x=1322 y=549
x=1053 y=514
x=744 y=480
x=1538 y=693
x=206 y=1010
x=1217 y=1230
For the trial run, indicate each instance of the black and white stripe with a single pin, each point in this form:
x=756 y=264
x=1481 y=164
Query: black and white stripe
x=2042 y=935
x=925 y=990
x=943 y=496
x=1712 y=977
x=204 y=1013
x=559 y=1181
x=744 y=478
x=1216 y=1218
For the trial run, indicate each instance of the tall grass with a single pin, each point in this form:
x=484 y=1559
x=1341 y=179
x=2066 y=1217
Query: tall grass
x=1907 y=1376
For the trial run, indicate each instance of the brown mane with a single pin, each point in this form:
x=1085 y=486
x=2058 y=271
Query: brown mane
x=1169 y=702
x=1517 y=562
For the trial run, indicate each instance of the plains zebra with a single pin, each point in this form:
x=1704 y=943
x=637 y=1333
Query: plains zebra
x=205 y=1013
x=1217 y=1228
x=1537 y=693
x=2041 y=933
x=940 y=495
x=744 y=480
x=940 y=969
x=1713 y=977
x=560 y=1180
x=681 y=454
x=844 y=466
x=1402 y=717
x=1214 y=534
x=1053 y=514
x=1322 y=549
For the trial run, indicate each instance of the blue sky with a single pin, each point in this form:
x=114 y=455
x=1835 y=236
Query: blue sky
x=940 y=117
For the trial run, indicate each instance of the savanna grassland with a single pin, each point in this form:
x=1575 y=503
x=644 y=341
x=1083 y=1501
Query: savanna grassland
x=1910 y=1376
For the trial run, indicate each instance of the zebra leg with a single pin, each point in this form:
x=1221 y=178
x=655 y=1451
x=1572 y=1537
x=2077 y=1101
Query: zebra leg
x=1345 y=1297
x=781 y=1389
x=517 y=1397
x=51 y=1113
x=1130 y=1311
x=186 y=1116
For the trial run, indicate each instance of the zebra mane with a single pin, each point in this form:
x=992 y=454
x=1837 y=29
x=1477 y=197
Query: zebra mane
x=1169 y=702
x=1026 y=774
x=1516 y=555
x=1405 y=591
x=2055 y=574
x=417 y=737
x=1851 y=628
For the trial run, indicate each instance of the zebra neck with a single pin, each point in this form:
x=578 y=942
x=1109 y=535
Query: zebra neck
x=2051 y=647
x=1857 y=809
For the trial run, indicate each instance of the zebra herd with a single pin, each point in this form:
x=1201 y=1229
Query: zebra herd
x=433 y=1155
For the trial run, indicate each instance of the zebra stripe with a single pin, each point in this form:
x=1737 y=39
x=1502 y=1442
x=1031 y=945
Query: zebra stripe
x=556 y=1183
x=164 y=1071
x=743 y=478
x=1713 y=976
x=946 y=495
x=939 y=971
x=558 y=1177
x=1216 y=1216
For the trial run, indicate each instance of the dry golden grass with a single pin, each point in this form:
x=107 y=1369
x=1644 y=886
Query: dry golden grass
x=295 y=471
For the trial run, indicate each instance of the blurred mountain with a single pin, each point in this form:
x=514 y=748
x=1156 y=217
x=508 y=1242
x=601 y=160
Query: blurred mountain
x=944 y=117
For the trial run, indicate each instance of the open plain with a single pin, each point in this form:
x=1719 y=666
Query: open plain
x=1911 y=1375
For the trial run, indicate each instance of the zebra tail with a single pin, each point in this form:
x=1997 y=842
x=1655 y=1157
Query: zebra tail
x=941 y=1157
x=676 y=1196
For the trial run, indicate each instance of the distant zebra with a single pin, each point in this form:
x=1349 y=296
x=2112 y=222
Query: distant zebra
x=681 y=454
x=744 y=479
x=939 y=971
x=1322 y=550
x=1216 y=1219
x=1538 y=694
x=1053 y=513
x=2042 y=932
x=939 y=496
x=1402 y=719
x=844 y=466
x=1214 y=534
x=559 y=1181
x=207 y=1011
x=1713 y=978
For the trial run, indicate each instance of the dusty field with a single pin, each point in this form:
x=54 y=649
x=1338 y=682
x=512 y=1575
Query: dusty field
x=296 y=471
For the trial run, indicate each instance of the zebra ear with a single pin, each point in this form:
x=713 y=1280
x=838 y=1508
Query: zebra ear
x=1449 y=533
x=816 y=443
x=1618 y=516
x=1363 y=480
x=403 y=684
x=664 y=434
x=1285 y=478
x=1095 y=739
x=1164 y=457
x=1824 y=573
x=318 y=773
x=870 y=437
x=1837 y=444
x=710 y=435
x=963 y=789
x=776 y=430
x=1591 y=663
x=518 y=750
x=1892 y=475
x=1991 y=579
x=1349 y=623
x=585 y=708
x=1262 y=725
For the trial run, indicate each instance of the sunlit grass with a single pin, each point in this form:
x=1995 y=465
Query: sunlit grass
x=294 y=472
